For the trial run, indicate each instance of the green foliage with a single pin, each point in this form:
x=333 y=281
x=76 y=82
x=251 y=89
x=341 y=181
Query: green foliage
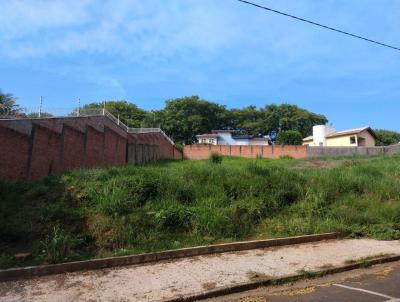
x=36 y=114
x=215 y=158
x=129 y=113
x=184 y=118
x=289 y=137
x=57 y=246
x=386 y=137
x=170 y=204
x=8 y=104
x=174 y=217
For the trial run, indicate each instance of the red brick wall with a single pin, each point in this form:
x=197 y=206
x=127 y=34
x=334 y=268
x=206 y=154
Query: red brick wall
x=73 y=153
x=204 y=151
x=94 y=148
x=46 y=153
x=14 y=149
x=60 y=144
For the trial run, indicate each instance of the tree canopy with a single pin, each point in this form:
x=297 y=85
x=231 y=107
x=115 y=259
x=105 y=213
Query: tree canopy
x=386 y=137
x=8 y=104
x=129 y=113
x=289 y=137
x=184 y=118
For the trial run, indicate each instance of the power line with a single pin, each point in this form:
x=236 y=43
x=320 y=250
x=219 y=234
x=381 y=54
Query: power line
x=318 y=24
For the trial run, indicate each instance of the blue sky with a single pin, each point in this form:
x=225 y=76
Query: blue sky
x=222 y=50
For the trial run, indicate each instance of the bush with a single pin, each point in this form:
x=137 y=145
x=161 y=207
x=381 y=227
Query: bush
x=289 y=137
x=58 y=246
x=215 y=158
x=175 y=218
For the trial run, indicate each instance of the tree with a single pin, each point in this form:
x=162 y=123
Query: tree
x=248 y=120
x=387 y=137
x=8 y=104
x=42 y=114
x=184 y=118
x=289 y=137
x=129 y=113
x=290 y=117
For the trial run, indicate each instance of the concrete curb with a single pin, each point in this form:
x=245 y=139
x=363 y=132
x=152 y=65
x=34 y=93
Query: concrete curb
x=37 y=271
x=269 y=282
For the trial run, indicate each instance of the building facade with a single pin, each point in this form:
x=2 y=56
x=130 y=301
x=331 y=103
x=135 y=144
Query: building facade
x=328 y=137
x=227 y=137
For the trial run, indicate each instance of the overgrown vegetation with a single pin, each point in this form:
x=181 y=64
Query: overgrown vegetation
x=132 y=209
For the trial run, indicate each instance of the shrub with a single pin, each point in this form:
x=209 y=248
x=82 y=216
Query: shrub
x=289 y=137
x=215 y=158
x=57 y=246
x=175 y=218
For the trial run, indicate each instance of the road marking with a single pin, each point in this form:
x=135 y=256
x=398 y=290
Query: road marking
x=391 y=299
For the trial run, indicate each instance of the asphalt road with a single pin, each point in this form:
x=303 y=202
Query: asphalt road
x=375 y=284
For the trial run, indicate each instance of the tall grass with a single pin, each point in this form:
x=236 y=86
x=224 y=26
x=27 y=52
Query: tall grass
x=175 y=204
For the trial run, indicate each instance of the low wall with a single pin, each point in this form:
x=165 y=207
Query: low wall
x=276 y=151
x=352 y=151
x=204 y=151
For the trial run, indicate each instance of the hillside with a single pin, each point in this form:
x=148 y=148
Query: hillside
x=167 y=205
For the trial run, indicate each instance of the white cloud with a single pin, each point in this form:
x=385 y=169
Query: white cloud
x=135 y=29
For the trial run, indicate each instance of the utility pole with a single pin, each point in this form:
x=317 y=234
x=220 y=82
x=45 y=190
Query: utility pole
x=104 y=108
x=79 y=107
x=40 y=106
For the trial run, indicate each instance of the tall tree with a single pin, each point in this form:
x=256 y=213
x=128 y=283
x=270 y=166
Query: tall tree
x=290 y=117
x=129 y=113
x=184 y=118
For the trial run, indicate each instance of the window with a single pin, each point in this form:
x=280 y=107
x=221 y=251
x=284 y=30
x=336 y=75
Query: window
x=203 y=141
x=352 y=140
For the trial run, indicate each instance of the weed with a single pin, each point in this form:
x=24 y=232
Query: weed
x=57 y=246
x=215 y=158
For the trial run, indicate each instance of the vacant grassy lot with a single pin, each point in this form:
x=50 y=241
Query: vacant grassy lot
x=115 y=211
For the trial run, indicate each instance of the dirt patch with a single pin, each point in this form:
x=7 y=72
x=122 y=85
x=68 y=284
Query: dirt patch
x=253 y=299
x=255 y=276
x=383 y=274
x=295 y=292
x=321 y=164
x=209 y=285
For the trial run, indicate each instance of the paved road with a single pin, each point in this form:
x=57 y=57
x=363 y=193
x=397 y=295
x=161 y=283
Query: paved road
x=376 y=284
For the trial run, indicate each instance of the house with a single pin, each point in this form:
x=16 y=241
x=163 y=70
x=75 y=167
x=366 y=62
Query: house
x=328 y=137
x=227 y=137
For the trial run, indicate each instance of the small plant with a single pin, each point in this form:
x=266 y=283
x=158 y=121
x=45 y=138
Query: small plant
x=57 y=245
x=215 y=158
x=175 y=218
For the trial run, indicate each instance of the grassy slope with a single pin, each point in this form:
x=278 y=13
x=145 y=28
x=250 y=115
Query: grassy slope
x=103 y=212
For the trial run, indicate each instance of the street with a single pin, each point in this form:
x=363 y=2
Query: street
x=378 y=283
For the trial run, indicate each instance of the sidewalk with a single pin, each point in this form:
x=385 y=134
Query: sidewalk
x=158 y=281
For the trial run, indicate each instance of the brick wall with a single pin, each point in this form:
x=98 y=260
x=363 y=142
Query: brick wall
x=14 y=150
x=45 y=157
x=204 y=151
x=34 y=148
x=73 y=151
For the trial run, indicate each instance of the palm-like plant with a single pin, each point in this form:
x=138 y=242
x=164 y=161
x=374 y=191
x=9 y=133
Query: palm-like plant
x=8 y=104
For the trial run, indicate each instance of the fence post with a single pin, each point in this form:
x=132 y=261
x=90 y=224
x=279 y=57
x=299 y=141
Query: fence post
x=40 y=107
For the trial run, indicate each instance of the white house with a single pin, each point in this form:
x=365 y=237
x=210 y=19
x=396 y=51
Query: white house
x=226 y=137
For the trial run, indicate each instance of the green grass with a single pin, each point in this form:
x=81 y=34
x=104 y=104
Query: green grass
x=167 y=205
